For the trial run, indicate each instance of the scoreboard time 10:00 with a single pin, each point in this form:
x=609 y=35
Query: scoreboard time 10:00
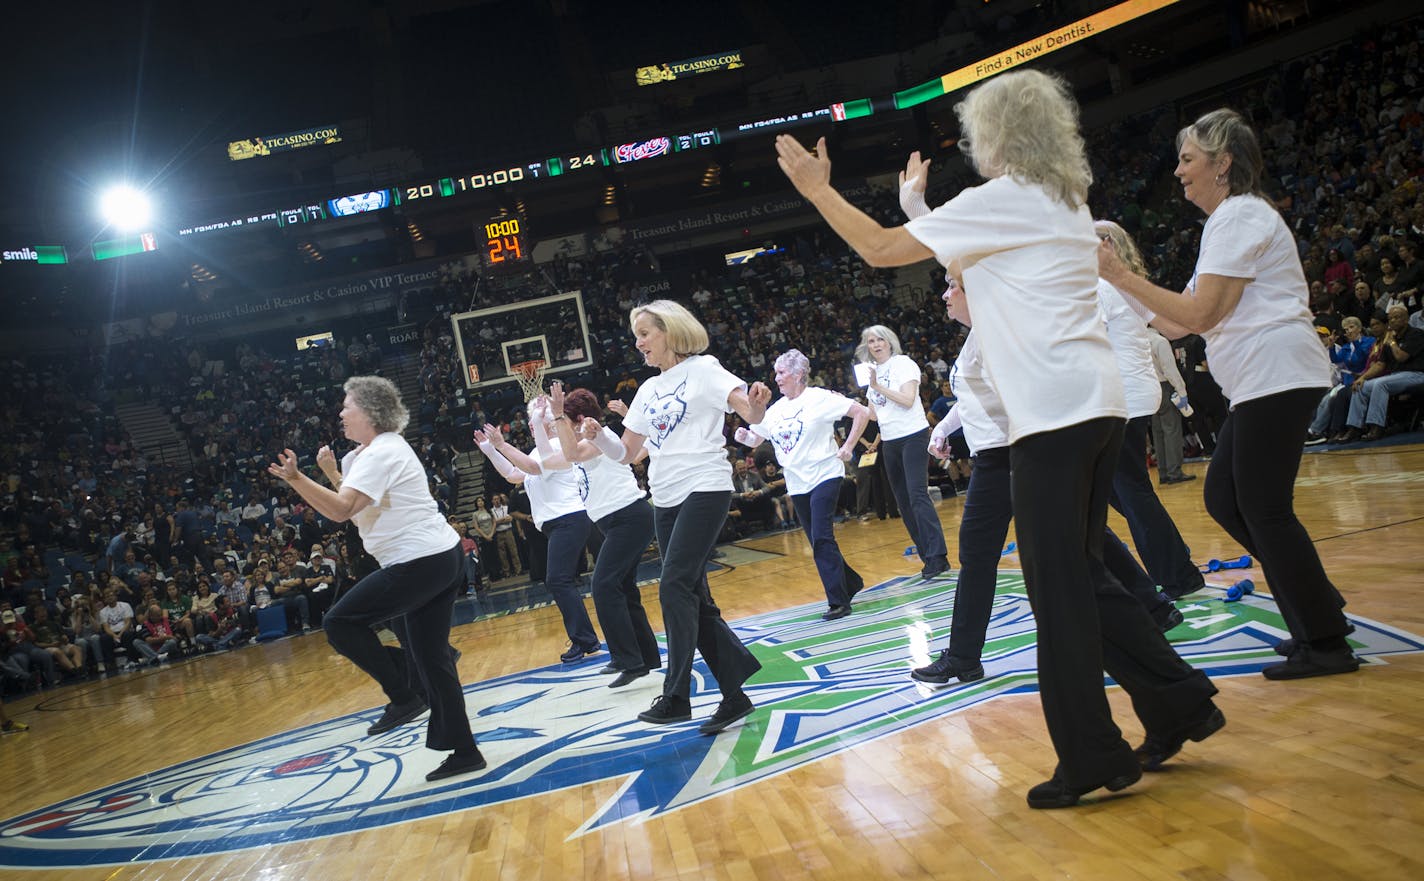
x=449 y=186
x=504 y=241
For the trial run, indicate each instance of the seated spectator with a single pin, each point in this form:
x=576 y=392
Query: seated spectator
x=775 y=483
x=47 y=634
x=21 y=648
x=1350 y=353
x=177 y=608
x=225 y=631
x=1402 y=357
x=751 y=500
x=204 y=604
x=86 y=633
x=118 y=629
x=233 y=588
x=156 y=640
x=288 y=592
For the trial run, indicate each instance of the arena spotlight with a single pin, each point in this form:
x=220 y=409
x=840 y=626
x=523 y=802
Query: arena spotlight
x=125 y=208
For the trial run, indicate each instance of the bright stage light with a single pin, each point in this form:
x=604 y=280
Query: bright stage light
x=126 y=208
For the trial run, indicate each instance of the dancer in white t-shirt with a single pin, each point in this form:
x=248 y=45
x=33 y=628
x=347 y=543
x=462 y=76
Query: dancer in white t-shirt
x=556 y=504
x=1026 y=244
x=801 y=428
x=676 y=418
x=1249 y=301
x=894 y=395
x=385 y=492
x=620 y=510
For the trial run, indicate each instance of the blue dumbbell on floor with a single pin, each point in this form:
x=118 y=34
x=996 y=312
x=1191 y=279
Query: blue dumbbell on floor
x=1242 y=588
x=1244 y=562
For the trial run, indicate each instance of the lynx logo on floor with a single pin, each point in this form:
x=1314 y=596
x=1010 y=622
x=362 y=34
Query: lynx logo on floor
x=825 y=687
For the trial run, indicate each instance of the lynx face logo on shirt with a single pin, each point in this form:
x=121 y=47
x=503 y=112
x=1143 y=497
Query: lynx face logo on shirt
x=821 y=691
x=665 y=413
x=786 y=434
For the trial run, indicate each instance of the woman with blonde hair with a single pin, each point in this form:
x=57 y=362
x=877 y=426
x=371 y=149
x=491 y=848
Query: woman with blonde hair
x=676 y=420
x=1249 y=301
x=893 y=390
x=1164 y=553
x=1026 y=245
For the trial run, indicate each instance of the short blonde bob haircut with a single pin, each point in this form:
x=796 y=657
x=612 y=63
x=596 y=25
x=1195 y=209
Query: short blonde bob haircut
x=862 y=351
x=1024 y=124
x=1123 y=244
x=380 y=400
x=685 y=334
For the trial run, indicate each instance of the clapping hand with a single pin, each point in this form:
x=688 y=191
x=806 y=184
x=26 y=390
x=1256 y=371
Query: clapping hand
x=496 y=437
x=589 y=428
x=285 y=468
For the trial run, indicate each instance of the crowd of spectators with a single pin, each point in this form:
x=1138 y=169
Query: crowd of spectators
x=111 y=558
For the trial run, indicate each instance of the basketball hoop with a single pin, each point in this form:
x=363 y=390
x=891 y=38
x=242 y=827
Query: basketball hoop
x=530 y=375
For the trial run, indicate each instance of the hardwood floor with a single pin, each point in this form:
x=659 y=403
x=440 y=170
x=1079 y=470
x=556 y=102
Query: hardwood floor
x=1319 y=778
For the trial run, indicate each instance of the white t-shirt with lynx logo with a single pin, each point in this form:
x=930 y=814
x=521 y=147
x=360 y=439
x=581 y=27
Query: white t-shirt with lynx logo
x=897 y=421
x=680 y=412
x=606 y=486
x=802 y=432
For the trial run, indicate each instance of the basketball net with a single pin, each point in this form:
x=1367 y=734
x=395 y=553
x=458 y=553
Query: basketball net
x=530 y=376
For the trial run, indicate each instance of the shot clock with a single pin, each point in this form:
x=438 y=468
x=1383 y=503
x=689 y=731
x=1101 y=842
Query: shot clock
x=504 y=241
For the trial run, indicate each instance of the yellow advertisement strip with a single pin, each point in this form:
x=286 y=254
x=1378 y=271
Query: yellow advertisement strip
x=1050 y=42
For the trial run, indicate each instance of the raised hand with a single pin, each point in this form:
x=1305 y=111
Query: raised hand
x=809 y=172
x=916 y=173
x=495 y=436
x=556 y=398
x=285 y=468
x=618 y=407
x=589 y=428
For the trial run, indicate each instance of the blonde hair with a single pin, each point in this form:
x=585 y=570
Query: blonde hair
x=1226 y=133
x=1024 y=124
x=380 y=400
x=685 y=334
x=1350 y=321
x=862 y=351
x=1123 y=244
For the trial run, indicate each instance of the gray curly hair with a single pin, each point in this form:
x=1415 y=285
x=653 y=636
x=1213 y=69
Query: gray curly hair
x=380 y=400
x=795 y=362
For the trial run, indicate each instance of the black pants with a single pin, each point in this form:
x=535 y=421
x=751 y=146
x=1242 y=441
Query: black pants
x=566 y=537
x=816 y=511
x=422 y=593
x=626 y=533
x=1087 y=622
x=687 y=534
x=906 y=461
x=988 y=508
x=1249 y=490
x=1164 y=554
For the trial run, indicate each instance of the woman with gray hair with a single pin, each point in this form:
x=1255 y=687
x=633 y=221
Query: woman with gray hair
x=1025 y=242
x=893 y=381
x=385 y=492
x=1249 y=301
x=801 y=428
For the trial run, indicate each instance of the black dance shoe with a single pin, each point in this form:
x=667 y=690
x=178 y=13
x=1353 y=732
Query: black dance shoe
x=456 y=764
x=397 y=715
x=1055 y=793
x=626 y=677
x=728 y=711
x=666 y=709
x=945 y=667
x=1156 y=750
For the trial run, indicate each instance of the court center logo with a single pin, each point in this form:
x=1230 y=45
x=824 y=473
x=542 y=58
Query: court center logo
x=823 y=688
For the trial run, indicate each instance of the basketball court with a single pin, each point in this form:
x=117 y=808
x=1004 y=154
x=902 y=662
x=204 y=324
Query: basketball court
x=254 y=764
